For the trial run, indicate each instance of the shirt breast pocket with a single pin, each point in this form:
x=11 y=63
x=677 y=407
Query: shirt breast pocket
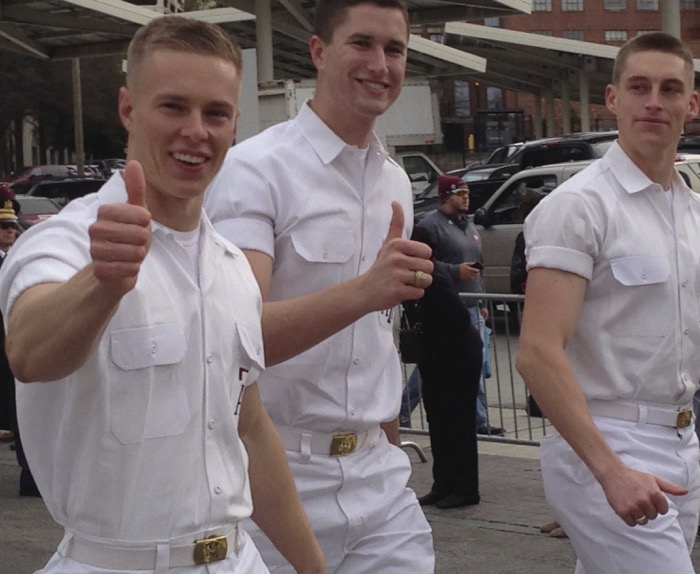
x=322 y=251
x=147 y=394
x=643 y=307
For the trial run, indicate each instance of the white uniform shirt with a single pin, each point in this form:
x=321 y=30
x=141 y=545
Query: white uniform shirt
x=638 y=333
x=299 y=193
x=141 y=442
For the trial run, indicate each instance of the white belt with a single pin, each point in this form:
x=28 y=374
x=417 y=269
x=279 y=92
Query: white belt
x=340 y=443
x=655 y=414
x=213 y=548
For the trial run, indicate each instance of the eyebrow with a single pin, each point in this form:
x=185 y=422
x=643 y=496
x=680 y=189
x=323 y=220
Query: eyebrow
x=393 y=43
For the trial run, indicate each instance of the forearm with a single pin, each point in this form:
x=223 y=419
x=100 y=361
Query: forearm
x=54 y=327
x=549 y=377
x=277 y=509
x=294 y=325
x=391 y=429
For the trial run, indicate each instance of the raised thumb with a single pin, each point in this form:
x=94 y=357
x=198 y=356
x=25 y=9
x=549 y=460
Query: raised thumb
x=135 y=183
x=397 y=222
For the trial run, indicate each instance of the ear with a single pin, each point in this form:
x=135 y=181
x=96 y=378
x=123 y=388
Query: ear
x=317 y=50
x=126 y=108
x=693 y=107
x=611 y=98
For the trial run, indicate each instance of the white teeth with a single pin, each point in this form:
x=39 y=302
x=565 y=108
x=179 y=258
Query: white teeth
x=375 y=85
x=188 y=158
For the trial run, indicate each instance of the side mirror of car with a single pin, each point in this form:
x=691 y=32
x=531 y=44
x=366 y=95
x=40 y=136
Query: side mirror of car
x=481 y=217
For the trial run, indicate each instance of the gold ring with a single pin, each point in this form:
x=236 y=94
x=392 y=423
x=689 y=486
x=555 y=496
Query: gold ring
x=642 y=520
x=421 y=279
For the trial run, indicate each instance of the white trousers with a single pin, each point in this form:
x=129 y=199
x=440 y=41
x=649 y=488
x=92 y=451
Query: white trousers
x=364 y=516
x=604 y=544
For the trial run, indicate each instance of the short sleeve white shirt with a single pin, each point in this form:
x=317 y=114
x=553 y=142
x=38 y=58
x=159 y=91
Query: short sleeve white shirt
x=638 y=333
x=141 y=442
x=299 y=193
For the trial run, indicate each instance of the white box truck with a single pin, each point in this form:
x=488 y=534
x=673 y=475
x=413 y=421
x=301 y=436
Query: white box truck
x=414 y=119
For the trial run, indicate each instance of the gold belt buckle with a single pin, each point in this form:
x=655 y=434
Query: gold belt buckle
x=208 y=550
x=343 y=444
x=684 y=419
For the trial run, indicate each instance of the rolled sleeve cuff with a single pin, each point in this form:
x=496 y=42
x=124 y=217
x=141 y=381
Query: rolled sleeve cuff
x=252 y=234
x=561 y=258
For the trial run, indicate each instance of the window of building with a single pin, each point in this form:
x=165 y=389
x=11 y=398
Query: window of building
x=542 y=5
x=615 y=4
x=543 y=32
x=647 y=4
x=494 y=97
x=615 y=35
x=492 y=22
x=573 y=34
x=462 y=104
x=690 y=4
x=572 y=5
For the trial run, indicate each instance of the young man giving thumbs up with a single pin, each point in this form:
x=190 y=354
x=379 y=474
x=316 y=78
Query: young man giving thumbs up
x=136 y=329
x=323 y=215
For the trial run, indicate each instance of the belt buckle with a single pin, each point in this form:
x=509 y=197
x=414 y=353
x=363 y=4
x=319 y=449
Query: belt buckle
x=343 y=444
x=208 y=550
x=684 y=419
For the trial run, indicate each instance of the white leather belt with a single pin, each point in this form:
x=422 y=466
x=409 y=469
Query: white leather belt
x=213 y=548
x=664 y=415
x=340 y=443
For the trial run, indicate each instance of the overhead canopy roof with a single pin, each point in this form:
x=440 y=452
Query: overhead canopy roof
x=531 y=63
x=60 y=29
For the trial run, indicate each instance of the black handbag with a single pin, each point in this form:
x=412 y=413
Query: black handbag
x=411 y=343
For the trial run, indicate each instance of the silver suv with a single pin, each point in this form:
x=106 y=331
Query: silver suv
x=501 y=219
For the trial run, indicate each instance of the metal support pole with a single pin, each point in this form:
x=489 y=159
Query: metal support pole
x=671 y=17
x=584 y=90
x=78 y=116
x=263 y=37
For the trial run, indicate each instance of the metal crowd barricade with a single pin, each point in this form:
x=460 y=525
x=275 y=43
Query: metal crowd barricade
x=506 y=395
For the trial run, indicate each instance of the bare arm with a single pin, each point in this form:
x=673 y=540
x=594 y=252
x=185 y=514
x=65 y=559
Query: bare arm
x=391 y=429
x=277 y=509
x=315 y=317
x=54 y=327
x=552 y=305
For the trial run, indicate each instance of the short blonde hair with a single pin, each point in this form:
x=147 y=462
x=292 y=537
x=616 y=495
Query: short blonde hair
x=652 y=42
x=184 y=35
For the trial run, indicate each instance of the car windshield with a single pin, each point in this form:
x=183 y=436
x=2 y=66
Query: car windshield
x=602 y=147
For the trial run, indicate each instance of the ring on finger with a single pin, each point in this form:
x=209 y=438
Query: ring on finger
x=642 y=520
x=421 y=279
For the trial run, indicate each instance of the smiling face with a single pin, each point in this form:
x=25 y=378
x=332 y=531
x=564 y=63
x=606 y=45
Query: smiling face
x=652 y=100
x=360 y=70
x=180 y=112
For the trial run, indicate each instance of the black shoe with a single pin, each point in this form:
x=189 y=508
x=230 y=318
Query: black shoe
x=489 y=430
x=430 y=499
x=29 y=491
x=457 y=501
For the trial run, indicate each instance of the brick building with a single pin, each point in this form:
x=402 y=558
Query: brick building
x=609 y=22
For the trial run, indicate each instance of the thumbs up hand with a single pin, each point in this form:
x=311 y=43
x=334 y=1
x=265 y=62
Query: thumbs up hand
x=402 y=268
x=121 y=235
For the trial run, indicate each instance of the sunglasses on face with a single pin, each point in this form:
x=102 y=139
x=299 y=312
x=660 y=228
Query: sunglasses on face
x=8 y=225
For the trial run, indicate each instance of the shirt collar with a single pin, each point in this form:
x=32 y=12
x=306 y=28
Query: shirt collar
x=323 y=139
x=625 y=170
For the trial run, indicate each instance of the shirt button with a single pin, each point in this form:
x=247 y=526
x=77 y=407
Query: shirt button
x=211 y=424
x=325 y=255
x=154 y=348
x=363 y=257
x=684 y=284
x=210 y=358
x=644 y=275
x=356 y=361
x=352 y=411
x=218 y=490
x=685 y=331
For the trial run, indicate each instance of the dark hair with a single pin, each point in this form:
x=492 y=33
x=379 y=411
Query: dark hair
x=331 y=13
x=181 y=34
x=652 y=42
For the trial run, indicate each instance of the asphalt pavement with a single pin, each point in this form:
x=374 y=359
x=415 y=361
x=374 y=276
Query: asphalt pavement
x=498 y=536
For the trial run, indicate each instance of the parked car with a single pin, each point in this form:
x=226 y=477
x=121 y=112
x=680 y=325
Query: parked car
x=34 y=210
x=60 y=190
x=689 y=167
x=39 y=172
x=500 y=220
x=498 y=157
x=106 y=167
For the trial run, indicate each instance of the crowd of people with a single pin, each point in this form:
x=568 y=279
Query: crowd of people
x=204 y=349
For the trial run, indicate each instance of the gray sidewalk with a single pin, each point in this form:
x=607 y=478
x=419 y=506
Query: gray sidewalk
x=499 y=536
